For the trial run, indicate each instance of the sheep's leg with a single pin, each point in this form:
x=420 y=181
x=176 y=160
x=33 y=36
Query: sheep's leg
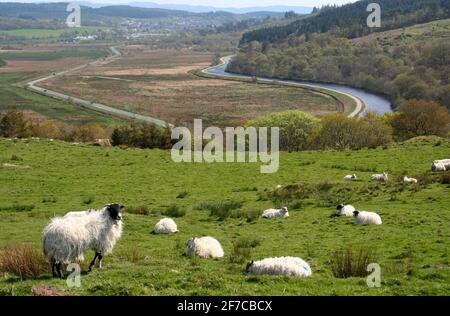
x=53 y=264
x=100 y=260
x=93 y=262
x=59 y=271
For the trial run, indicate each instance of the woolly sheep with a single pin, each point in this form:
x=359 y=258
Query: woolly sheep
x=65 y=239
x=204 y=247
x=363 y=217
x=276 y=213
x=165 y=226
x=439 y=165
x=290 y=266
x=345 y=210
x=79 y=214
x=350 y=177
x=380 y=177
x=406 y=179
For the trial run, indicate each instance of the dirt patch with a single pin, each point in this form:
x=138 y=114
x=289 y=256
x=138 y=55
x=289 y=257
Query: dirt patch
x=46 y=290
x=44 y=65
x=155 y=71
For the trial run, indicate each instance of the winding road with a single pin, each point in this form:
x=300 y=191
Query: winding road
x=102 y=108
x=364 y=101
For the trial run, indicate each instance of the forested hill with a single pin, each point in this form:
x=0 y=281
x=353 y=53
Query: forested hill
x=350 y=20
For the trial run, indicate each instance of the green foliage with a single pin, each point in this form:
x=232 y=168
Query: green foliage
x=142 y=136
x=174 y=211
x=295 y=128
x=347 y=263
x=242 y=249
x=222 y=210
x=14 y=124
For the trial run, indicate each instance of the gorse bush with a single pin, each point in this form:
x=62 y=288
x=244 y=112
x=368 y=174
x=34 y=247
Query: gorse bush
x=347 y=263
x=23 y=261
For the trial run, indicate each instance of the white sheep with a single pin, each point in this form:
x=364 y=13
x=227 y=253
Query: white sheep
x=439 y=165
x=380 y=177
x=65 y=239
x=79 y=214
x=204 y=247
x=350 y=177
x=165 y=226
x=345 y=210
x=406 y=179
x=363 y=217
x=276 y=213
x=289 y=266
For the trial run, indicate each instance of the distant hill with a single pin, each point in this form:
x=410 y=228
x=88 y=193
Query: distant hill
x=350 y=20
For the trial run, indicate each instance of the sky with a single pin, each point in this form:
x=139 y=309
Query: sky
x=215 y=3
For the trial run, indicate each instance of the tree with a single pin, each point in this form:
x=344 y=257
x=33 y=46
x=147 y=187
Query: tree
x=14 y=124
x=420 y=118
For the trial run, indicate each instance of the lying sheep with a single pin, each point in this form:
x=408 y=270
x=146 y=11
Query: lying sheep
x=406 y=179
x=380 y=177
x=439 y=165
x=350 y=177
x=165 y=226
x=204 y=247
x=345 y=210
x=65 y=239
x=289 y=266
x=363 y=217
x=276 y=213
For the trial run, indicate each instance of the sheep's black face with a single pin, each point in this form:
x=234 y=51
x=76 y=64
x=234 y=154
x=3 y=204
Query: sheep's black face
x=249 y=265
x=114 y=211
x=355 y=213
x=340 y=207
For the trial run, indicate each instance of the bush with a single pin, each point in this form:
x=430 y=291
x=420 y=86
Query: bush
x=88 y=200
x=222 y=210
x=242 y=249
x=142 y=136
x=14 y=124
x=295 y=128
x=347 y=263
x=46 y=129
x=174 y=211
x=420 y=118
x=182 y=195
x=23 y=261
x=138 y=210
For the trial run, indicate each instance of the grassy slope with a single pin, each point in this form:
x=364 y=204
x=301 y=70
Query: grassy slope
x=412 y=245
x=48 y=33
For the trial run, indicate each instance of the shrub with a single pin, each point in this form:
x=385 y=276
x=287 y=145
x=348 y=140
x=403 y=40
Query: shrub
x=142 y=136
x=14 y=124
x=174 y=211
x=87 y=200
x=347 y=263
x=138 y=210
x=222 y=209
x=23 y=261
x=295 y=128
x=182 y=195
x=46 y=129
x=242 y=249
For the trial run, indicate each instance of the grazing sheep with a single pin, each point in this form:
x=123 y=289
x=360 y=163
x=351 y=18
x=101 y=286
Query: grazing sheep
x=440 y=165
x=380 y=177
x=345 y=210
x=276 y=213
x=290 y=266
x=363 y=217
x=165 y=226
x=65 y=239
x=350 y=177
x=204 y=247
x=409 y=180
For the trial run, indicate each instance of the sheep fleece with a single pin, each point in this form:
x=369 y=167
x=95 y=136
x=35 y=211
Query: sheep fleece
x=290 y=266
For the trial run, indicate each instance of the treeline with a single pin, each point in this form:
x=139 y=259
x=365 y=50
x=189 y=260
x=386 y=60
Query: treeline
x=350 y=20
x=411 y=69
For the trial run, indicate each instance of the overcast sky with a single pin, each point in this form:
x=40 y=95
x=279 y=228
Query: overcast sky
x=215 y=3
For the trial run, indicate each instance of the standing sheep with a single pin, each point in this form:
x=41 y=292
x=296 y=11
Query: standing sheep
x=363 y=217
x=350 y=177
x=204 y=247
x=276 y=213
x=380 y=177
x=290 y=266
x=165 y=226
x=345 y=210
x=65 y=239
x=406 y=179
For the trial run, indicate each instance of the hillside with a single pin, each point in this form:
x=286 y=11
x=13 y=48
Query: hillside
x=45 y=178
x=350 y=20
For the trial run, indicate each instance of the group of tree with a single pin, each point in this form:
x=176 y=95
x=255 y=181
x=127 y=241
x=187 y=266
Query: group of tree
x=142 y=136
x=411 y=69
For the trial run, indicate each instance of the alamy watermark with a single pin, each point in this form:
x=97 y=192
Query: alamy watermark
x=237 y=141
x=74 y=18
x=374 y=278
x=374 y=18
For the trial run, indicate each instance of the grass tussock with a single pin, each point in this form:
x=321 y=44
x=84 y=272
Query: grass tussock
x=138 y=210
x=242 y=249
x=174 y=211
x=18 y=208
x=222 y=210
x=347 y=263
x=23 y=261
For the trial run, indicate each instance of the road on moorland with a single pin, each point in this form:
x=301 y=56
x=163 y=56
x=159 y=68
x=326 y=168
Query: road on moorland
x=102 y=108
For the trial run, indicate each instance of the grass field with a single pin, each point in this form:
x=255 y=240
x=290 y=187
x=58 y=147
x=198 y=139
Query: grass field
x=52 y=55
x=15 y=98
x=49 y=33
x=412 y=245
